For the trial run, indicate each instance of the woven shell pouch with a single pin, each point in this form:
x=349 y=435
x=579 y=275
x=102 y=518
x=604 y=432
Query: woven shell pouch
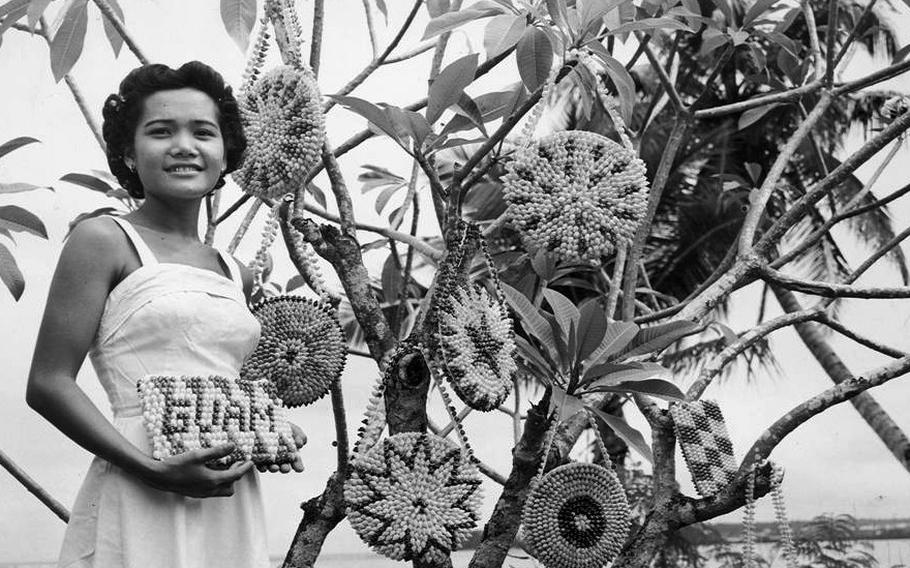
x=476 y=342
x=577 y=515
x=410 y=496
x=301 y=349
x=184 y=413
x=578 y=194
x=705 y=443
x=284 y=124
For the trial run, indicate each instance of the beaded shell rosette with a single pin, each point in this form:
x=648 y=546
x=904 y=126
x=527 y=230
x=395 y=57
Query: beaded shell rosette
x=413 y=496
x=577 y=516
x=184 y=413
x=301 y=350
x=283 y=120
x=475 y=339
x=576 y=193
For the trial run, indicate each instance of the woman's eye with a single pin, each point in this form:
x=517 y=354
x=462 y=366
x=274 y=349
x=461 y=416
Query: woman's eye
x=205 y=133
x=159 y=132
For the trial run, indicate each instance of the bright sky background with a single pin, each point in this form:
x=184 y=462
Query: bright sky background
x=834 y=463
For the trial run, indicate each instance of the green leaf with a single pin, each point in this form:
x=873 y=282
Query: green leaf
x=113 y=36
x=66 y=46
x=238 y=17
x=317 y=194
x=564 y=404
x=15 y=218
x=371 y=112
x=502 y=33
x=544 y=264
x=16 y=143
x=757 y=9
x=10 y=273
x=629 y=435
x=535 y=357
x=36 y=9
x=618 y=335
x=451 y=20
x=559 y=13
x=625 y=86
x=535 y=58
x=383 y=199
x=753 y=115
x=469 y=109
x=391 y=280
x=649 y=24
x=12 y=12
x=658 y=337
x=591 y=327
x=611 y=374
x=565 y=312
x=447 y=88
x=437 y=7
x=408 y=124
x=17 y=187
x=87 y=181
x=530 y=317
x=384 y=9
x=654 y=387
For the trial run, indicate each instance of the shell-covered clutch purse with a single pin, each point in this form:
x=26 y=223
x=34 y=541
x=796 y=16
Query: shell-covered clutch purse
x=184 y=413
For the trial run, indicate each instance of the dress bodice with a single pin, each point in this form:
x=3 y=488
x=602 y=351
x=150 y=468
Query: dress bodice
x=170 y=319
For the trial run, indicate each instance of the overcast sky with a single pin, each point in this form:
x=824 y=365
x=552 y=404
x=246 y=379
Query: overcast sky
x=834 y=463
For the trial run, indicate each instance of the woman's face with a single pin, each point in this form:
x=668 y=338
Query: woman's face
x=178 y=150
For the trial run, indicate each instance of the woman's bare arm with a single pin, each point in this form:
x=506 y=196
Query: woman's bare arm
x=91 y=262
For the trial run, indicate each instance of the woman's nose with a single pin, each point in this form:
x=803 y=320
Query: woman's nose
x=183 y=143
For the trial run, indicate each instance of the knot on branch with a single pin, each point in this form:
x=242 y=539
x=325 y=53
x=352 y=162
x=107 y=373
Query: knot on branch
x=406 y=395
x=323 y=238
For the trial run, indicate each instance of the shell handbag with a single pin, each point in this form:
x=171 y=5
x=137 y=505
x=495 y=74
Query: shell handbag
x=476 y=344
x=705 y=443
x=411 y=496
x=184 y=413
x=577 y=515
x=578 y=194
x=301 y=350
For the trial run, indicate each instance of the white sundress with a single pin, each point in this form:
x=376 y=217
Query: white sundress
x=165 y=318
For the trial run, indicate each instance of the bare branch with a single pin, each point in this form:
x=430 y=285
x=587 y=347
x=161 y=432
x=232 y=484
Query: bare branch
x=830 y=34
x=862 y=340
x=34 y=488
x=665 y=80
x=853 y=33
x=829 y=290
x=316 y=35
x=759 y=199
x=771 y=437
x=873 y=78
x=373 y=65
x=118 y=25
x=244 y=226
x=813 y=39
x=420 y=49
x=667 y=159
x=760 y=101
x=745 y=341
x=877 y=255
x=371 y=28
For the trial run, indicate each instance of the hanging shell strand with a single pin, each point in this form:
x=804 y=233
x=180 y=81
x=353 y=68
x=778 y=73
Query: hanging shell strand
x=269 y=232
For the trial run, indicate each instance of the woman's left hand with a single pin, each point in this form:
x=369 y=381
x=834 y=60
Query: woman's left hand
x=297 y=464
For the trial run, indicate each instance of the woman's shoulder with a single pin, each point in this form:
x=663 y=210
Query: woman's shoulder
x=98 y=237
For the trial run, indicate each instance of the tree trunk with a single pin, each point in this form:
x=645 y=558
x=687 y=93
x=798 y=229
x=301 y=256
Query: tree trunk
x=874 y=415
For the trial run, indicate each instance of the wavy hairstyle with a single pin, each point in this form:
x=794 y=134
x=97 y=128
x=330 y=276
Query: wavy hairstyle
x=122 y=112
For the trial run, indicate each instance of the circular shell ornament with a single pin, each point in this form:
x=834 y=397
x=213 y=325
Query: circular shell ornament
x=301 y=350
x=576 y=517
x=477 y=347
x=576 y=193
x=285 y=127
x=414 y=496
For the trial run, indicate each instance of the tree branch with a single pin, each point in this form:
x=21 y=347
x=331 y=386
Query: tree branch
x=862 y=340
x=814 y=45
x=373 y=65
x=118 y=25
x=420 y=49
x=32 y=486
x=371 y=28
x=316 y=36
x=760 y=101
x=829 y=290
x=853 y=33
x=662 y=76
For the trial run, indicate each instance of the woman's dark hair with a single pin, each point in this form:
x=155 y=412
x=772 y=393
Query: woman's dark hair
x=123 y=110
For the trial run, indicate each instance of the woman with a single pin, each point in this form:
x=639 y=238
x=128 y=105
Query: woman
x=141 y=294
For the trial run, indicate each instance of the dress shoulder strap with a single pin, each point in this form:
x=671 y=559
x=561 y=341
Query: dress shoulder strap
x=233 y=267
x=146 y=256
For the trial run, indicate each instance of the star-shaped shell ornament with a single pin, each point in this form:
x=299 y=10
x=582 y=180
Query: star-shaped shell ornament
x=413 y=496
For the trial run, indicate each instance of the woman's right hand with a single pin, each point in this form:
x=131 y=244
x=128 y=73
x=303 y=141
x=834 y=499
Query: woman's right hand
x=189 y=474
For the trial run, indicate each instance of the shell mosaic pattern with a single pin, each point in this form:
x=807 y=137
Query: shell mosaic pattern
x=301 y=350
x=475 y=338
x=414 y=496
x=283 y=120
x=578 y=194
x=705 y=443
x=184 y=413
x=577 y=516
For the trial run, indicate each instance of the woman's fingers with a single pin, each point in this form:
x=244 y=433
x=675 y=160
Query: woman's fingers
x=299 y=436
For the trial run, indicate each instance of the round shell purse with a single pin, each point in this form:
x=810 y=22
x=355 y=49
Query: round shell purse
x=476 y=344
x=578 y=194
x=301 y=349
x=577 y=514
x=414 y=495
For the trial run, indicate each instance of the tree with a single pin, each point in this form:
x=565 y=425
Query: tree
x=677 y=118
